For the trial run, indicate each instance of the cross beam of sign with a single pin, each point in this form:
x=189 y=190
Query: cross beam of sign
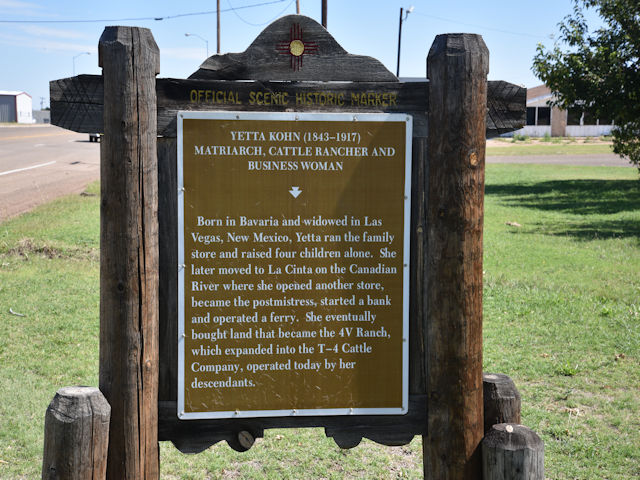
x=295 y=191
x=296 y=47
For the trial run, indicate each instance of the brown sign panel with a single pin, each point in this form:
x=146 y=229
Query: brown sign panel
x=293 y=235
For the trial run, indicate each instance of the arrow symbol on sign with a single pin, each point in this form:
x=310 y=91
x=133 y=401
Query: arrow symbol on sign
x=295 y=191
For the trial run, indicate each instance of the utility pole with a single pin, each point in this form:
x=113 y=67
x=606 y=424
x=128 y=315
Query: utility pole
x=298 y=7
x=399 y=41
x=324 y=13
x=218 y=15
x=409 y=10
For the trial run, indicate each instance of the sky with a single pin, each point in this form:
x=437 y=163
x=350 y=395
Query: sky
x=43 y=40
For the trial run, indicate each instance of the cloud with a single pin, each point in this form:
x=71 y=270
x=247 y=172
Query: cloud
x=50 y=32
x=19 y=7
x=47 y=44
x=17 y=4
x=19 y=10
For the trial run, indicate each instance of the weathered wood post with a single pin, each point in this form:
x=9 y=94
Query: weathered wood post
x=501 y=400
x=129 y=58
x=512 y=452
x=457 y=68
x=76 y=435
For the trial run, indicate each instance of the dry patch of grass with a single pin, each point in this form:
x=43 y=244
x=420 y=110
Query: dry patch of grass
x=27 y=247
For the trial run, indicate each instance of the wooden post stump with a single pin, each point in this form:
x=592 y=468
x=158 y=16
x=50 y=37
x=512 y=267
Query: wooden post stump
x=76 y=435
x=512 y=452
x=130 y=61
x=501 y=400
x=457 y=68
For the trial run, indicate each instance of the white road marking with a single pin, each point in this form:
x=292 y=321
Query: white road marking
x=27 y=168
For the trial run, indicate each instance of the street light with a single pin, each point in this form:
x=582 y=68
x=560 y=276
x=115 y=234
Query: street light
x=198 y=36
x=409 y=10
x=74 y=61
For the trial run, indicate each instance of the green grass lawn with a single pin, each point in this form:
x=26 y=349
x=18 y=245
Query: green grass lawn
x=562 y=318
x=562 y=310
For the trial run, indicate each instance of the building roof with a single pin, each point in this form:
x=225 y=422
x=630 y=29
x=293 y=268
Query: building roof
x=538 y=96
x=15 y=93
x=539 y=91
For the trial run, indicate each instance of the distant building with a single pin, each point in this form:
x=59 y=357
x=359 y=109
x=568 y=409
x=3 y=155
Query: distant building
x=542 y=119
x=15 y=107
x=42 y=116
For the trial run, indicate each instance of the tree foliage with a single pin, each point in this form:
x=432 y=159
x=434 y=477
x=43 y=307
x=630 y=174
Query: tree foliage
x=599 y=71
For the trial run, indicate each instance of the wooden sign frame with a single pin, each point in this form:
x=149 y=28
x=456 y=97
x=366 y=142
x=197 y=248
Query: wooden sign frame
x=136 y=113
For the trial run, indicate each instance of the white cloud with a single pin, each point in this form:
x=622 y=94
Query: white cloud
x=17 y=4
x=16 y=7
x=47 y=45
x=50 y=32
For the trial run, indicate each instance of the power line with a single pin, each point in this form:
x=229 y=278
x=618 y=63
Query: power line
x=521 y=34
x=138 y=19
x=232 y=8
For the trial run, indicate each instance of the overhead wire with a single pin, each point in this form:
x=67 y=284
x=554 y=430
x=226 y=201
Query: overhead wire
x=231 y=7
x=138 y=19
x=521 y=34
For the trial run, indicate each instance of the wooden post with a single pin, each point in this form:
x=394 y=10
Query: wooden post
x=457 y=68
x=129 y=251
x=501 y=400
x=76 y=435
x=512 y=452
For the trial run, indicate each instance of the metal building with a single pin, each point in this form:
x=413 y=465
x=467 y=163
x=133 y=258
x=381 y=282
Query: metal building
x=15 y=107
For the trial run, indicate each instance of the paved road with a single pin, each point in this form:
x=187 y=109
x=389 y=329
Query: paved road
x=40 y=163
x=597 y=160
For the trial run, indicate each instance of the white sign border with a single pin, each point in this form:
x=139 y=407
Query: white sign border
x=295 y=116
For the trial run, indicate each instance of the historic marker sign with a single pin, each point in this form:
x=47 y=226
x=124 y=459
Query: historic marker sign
x=293 y=250
x=293 y=284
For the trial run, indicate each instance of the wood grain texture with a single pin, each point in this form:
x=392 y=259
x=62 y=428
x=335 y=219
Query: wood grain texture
x=70 y=108
x=512 y=452
x=195 y=436
x=457 y=68
x=268 y=57
x=168 y=246
x=76 y=435
x=129 y=251
x=76 y=103
x=506 y=108
x=347 y=97
x=418 y=268
x=501 y=400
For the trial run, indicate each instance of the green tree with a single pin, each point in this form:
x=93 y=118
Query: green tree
x=599 y=71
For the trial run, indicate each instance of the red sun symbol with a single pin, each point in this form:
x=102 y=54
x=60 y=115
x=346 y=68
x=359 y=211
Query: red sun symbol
x=296 y=48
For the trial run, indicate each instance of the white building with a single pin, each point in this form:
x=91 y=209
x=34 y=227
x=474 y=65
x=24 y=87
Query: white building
x=15 y=107
x=542 y=119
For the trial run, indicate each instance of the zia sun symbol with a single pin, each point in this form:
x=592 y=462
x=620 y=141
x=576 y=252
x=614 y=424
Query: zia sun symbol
x=296 y=47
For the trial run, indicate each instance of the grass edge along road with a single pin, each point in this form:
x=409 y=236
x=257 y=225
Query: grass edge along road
x=562 y=318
